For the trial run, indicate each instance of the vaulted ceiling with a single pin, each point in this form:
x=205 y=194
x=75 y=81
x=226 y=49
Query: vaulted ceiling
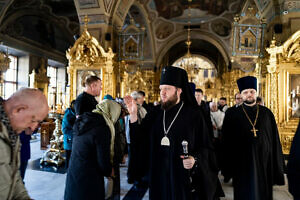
x=51 y=24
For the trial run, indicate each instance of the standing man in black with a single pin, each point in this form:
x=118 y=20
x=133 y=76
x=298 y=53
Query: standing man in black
x=251 y=147
x=200 y=101
x=222 y=104
x=205 y=109
x=167 y=127
x=86 y=102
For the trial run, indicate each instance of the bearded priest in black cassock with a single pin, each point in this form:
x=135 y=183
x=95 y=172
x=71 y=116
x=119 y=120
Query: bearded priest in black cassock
x=166 y=127
x=251 y=147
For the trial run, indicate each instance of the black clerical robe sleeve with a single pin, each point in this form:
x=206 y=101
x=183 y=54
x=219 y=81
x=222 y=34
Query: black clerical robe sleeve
x=278 y=161
x=204 y=172
x=140 y=144
x=102 y=145
x=227 y=145
x=294 y=165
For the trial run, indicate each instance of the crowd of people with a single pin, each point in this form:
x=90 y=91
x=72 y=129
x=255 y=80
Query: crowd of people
x=179 y=147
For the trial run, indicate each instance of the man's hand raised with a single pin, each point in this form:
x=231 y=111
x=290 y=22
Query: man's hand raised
x=131 y=107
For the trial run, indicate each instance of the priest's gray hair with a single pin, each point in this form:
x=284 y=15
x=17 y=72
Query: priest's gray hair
x=135 y=95
x=211 y=104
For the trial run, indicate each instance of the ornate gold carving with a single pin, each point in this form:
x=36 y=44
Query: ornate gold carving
x=87 y=56
x=291 y=48
x=40 y=80
x=86 y=49
x=286 y=141
x=274 y=95
x=4 y=65
x=4 y=62
x=281 y=68
x=287 y=133
x=140 y=80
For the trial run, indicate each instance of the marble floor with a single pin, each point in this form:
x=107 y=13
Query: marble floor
x=43 y=185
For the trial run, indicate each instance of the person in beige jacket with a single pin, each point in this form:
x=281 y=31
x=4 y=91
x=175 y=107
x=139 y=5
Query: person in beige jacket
x=24 y=110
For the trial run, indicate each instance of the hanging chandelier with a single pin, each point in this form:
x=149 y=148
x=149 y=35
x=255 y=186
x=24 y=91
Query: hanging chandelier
x=188 y=61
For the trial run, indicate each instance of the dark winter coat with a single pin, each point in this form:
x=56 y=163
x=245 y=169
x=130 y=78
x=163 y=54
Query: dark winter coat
x=294 y=165
x=90 y=158
x=84 y=103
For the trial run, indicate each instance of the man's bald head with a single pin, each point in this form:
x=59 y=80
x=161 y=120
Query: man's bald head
x=26 y=108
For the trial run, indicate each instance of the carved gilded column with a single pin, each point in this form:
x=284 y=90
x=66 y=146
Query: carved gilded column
x=109 y=81
x=272 y=76
x=282 y=82
x=70 y=93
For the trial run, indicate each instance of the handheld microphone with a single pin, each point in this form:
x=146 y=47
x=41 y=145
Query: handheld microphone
x=185 y=149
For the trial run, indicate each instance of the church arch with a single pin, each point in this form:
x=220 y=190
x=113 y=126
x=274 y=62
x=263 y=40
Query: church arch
x=195 y=35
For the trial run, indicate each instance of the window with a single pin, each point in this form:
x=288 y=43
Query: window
x=52 y=73
x=10 y=77
x=205 y=73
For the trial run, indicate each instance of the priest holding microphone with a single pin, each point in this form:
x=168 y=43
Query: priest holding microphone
x=163 y=132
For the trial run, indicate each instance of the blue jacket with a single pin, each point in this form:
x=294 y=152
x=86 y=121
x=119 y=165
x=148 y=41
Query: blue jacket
x=67 y=128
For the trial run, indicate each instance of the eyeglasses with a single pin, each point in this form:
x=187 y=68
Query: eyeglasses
x=239 y=98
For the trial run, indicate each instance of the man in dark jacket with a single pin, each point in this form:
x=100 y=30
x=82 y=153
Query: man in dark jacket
x=92 y=152
x=294 y=166
x=204 y=107
x=86 y=102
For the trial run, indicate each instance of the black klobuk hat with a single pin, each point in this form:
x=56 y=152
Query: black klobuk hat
x=247 y=82
x=178 y=77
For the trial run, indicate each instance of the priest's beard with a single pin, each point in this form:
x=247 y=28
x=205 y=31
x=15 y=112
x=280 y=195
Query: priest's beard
x=249 y=102
x=169 y=103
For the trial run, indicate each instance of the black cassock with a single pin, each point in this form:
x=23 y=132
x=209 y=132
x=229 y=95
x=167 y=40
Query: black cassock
x=293 y=166
x=168 y=178
x=254 y=163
